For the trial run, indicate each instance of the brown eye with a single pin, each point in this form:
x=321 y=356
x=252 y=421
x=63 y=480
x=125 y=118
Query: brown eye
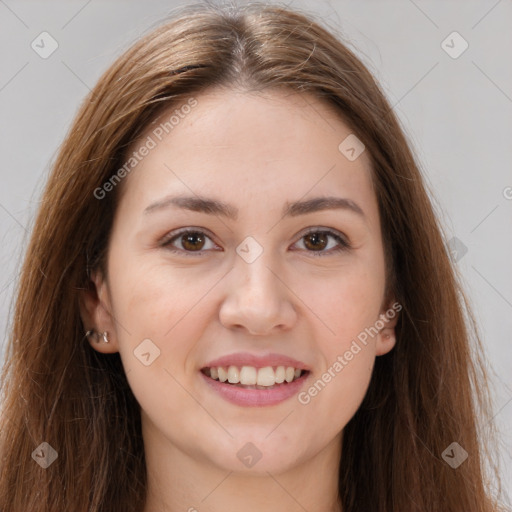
x=188 y=242
x=316 y=241
x=192 y=241
x=324 y=242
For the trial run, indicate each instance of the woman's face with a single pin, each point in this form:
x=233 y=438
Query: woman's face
x=271 y=276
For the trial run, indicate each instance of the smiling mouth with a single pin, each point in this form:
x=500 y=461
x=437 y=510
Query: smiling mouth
x=250 y=377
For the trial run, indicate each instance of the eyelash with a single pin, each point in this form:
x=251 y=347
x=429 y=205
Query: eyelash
x=344 y=245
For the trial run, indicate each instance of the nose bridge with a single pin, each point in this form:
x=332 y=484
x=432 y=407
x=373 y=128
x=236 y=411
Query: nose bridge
x=257 y=299
x=253 y=270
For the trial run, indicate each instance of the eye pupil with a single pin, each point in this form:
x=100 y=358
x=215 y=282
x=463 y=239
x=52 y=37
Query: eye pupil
x=316 y=237
x=192 y=238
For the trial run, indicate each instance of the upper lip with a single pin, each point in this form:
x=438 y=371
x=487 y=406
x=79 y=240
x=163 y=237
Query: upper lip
x=240 y=359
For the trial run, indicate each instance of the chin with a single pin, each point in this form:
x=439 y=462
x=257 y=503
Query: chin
x=255 y=455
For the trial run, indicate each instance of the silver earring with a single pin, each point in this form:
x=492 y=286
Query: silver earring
x=92 y=332
x=97 y=335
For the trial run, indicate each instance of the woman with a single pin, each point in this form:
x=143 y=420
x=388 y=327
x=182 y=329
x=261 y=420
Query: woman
x=237 y=294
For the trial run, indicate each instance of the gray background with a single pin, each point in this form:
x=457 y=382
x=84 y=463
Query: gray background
x=456 y=112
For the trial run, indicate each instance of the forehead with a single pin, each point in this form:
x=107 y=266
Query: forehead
x=249 y=146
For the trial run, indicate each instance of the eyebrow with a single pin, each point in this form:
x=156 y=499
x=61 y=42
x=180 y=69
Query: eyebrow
x=293 y=209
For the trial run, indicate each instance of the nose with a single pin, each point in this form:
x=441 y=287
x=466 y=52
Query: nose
x=257 y=299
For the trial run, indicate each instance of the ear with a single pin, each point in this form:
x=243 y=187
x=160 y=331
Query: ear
x=386 y=338
x=95 y=311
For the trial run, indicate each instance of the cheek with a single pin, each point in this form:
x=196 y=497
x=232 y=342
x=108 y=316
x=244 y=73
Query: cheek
x=155 y=310
x=335 y=395
x=158 y=333
x=341 y=304
x=153 y=298
x=348 y=308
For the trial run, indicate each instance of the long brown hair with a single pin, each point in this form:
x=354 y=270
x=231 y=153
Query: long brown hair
x=424 y=395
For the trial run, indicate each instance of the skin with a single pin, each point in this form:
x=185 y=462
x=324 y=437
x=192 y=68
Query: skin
x=254 y=152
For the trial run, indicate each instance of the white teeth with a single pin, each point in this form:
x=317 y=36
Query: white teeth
x=248 y=376
x=233 y=375
x=251 y=376
x=280 y=374
x=266 y=376
x=223 y=374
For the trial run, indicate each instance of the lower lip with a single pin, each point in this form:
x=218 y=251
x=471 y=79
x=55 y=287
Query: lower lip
x=255 y=397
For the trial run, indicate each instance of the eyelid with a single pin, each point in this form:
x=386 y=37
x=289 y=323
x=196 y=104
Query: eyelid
x=324 y=229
